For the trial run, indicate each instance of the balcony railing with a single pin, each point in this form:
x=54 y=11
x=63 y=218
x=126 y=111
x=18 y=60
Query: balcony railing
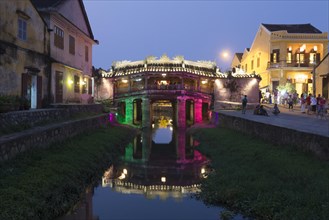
x=289 y=63
x=164 y=88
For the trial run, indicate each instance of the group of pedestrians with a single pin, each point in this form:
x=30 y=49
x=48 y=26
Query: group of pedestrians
x=308 y=104
x=313 y=105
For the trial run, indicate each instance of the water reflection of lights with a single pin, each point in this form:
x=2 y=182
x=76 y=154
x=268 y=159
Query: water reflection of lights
x=173 y=169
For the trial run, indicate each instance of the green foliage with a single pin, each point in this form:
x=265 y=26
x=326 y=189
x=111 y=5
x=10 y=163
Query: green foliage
x=46 y=183
x=263 y=181
x=288 y=87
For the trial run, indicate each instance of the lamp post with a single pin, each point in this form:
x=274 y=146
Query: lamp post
x=313 y=75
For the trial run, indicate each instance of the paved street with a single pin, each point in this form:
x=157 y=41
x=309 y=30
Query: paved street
x=288 y=119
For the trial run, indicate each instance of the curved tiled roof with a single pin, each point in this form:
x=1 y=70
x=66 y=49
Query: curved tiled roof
x=165 y=65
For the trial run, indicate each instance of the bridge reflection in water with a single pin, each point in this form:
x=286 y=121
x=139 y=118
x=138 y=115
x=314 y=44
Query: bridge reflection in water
x=157 y=175
x=160 y=162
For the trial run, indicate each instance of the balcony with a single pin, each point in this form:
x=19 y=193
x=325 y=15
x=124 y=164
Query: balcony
x=289 y=63
x=166 y=90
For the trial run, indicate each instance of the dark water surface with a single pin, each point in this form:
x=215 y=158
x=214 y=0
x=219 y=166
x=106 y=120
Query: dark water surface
x=158 y=175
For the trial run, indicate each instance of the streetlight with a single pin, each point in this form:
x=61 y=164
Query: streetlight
x=225 y=55
x=313 y=74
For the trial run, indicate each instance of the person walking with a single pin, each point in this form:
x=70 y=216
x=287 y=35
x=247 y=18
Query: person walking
x=302 y=103
x=244 y=104
x=290 y=103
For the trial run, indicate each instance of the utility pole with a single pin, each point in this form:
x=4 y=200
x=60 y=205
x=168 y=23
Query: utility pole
x=313 y=74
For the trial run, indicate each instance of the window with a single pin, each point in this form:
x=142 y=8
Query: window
x=258 y=61
x=84 y=86
x=86 y=54
x=246 y=68
x=300 y=57
x=252 y=64
x=77 y=84
x=59 y=38
x=71 y=45
x=22 y=27
x=275 y=56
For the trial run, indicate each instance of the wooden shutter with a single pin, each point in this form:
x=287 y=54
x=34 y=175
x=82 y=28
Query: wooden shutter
x=24 y=84
x=90 y=86
x=39 y=91
x=318 y=58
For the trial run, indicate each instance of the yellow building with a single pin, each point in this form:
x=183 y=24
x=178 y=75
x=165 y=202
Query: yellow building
x=71 y=42
x=285 y=53
x=23 y=52
x=322 y=77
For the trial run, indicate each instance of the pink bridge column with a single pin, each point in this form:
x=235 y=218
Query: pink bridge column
x=198 y=110
x=181 y=112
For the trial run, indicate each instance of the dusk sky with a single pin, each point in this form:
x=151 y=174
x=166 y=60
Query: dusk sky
x=197 y=30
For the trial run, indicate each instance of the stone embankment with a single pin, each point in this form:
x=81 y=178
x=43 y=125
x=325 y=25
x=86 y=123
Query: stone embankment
x=306 y=132
x=54 y=125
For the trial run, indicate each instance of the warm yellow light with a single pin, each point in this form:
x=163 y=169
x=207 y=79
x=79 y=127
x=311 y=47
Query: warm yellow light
x=124 y=80
x=164 y=74
x=315 y=48
x=203 y=170
x=204 y=81
x=125 y=171
x=163 y=179
x=70 y=81
x=290 y=48
x=122 y=176
x=225 y=54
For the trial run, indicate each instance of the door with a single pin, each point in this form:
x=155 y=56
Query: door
x=58 y=87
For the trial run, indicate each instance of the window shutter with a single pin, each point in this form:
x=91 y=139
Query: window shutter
x=318 y=58
x=39 y=91
x=24 y=84
x=307 y=58
x=271 y=57
x=278 y=56
x=89 y=86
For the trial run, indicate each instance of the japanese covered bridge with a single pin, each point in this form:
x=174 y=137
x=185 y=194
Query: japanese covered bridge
x=181 y=90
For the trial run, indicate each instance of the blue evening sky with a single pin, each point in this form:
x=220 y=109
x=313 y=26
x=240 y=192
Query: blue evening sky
x=197 y=30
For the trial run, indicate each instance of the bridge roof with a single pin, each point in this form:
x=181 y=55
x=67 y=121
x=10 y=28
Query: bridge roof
x=151 y=65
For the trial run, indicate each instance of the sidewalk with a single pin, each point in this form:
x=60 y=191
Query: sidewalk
x=288 y=119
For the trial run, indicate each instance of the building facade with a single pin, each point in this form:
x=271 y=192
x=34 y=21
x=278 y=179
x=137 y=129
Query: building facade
x=71 y=41
x=23 y=52
x=285 y=54
x=322 y=77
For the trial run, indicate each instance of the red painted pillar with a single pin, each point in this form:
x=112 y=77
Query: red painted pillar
x=198 y=110
x=181 y=112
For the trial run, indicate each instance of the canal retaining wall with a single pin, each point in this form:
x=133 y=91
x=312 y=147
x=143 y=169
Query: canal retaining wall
x=307 y=142
x=42 y=136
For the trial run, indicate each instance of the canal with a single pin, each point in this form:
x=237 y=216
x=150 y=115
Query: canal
x=157 y=177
